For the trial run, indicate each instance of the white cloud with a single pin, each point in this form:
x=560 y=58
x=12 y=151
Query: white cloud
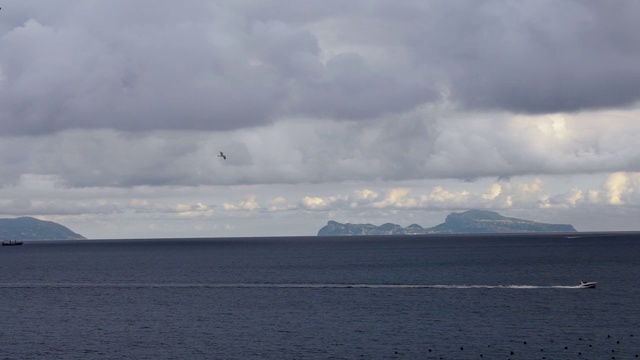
x=318 y=203
x=623 y=188
x=366 y=194
x=575 y=196
x=193 y=210
x=443 y=196
x=617 y=186
x=493 y=192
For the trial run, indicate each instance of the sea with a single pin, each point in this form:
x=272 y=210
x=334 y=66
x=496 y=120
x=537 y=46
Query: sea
x=367 y=297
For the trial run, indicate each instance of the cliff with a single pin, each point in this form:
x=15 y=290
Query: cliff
x=468 y=222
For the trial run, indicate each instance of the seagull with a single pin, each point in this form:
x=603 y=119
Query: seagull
x=223 y=156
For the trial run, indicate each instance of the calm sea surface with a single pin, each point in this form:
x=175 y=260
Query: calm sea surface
x=422 y=297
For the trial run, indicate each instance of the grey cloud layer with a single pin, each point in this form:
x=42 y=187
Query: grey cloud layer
x=145 y=65
x=295 y=152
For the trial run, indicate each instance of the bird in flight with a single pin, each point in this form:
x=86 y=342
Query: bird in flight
x=223 y=156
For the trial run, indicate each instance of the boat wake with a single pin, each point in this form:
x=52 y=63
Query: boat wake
x=279 y=286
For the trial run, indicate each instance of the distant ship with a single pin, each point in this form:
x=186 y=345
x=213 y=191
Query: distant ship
x=11 y=243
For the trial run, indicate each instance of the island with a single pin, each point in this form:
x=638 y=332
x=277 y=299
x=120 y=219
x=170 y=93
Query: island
x=468 y=222
x=29 y=228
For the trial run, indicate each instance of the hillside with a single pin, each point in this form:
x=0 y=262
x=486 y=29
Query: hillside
x=28 y=228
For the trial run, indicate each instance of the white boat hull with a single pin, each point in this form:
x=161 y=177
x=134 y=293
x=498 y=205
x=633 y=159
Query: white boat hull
x=588 y=284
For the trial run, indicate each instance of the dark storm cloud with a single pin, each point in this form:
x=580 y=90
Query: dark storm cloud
x=139 y=76
x=351 y=90
x=532 y=56
x=521 y=56
x=199 y=65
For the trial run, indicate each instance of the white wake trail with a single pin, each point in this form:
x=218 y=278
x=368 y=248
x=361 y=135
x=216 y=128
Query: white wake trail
x=280 y=285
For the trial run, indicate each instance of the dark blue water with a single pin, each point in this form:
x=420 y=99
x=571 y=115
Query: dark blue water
x=423 y=297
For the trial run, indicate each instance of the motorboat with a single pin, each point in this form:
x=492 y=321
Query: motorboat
x=11 y=243
x=588 y=284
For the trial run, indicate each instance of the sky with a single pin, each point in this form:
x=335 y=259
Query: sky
x=113 y=112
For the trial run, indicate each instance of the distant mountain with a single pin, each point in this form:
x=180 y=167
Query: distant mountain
x=28 y=228
x=468 y=222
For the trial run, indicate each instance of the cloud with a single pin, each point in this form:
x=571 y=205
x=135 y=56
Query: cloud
x=193 y=210
x=397 y=197
x=317 y=203
x=622 y=188
x=231 y=65
x=531 y=57
x=493 y=192
x=212 y=209
x=363 y=108
x=465 y=146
